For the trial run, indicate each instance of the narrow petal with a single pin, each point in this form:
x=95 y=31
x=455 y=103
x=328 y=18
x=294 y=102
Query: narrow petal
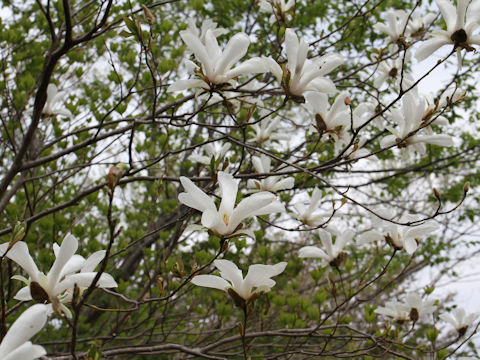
x=429 y=47
x=28 y=324
x=194 y=197
x=26 y=351
x=291 y=48
x=313 y=252
x=186 y=84
x=73 y=265
x=67 y=250
x=273 y=67
x=93 y=260
x=250 y=206
x=251 y=66
x=326 y=239
x=229 y=271
x=211 y=281
x=84 y=280
x=23 y=294
x=236 y=48
x=20 y=254
x=448 y=12
x=410 y=245
x=228 y=188
x=198 y=49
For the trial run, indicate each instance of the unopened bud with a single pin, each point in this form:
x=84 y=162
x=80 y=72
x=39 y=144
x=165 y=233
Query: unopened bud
x=466 y=187
x=18 y=233
x=436 y=193
x=347 y=101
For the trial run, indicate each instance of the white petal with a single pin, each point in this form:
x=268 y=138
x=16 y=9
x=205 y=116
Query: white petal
x=180 y=85
x=230 y=272
x=291 y=48
x=93 y=260
x=67 y=250
x=23 y=294
x=198 y=49
x=20 y=254
x=448 y=12
x=236 y=48
x=211 y=281
x=228 y=188
x=28 y=324
x=256 y=204
x=312 y=252
x=429 y=47
x=410 y=245
x=26 y=351
x=194 y=197
x=85 y=280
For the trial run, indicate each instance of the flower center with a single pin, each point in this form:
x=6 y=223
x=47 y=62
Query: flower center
x=393 y=72
x=459 y=37
x=225 y=219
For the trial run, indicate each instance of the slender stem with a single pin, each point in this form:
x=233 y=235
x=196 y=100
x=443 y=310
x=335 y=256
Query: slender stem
x=244 y=330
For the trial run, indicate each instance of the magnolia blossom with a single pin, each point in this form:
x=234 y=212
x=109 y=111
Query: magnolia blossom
x=212 y=151
x=461 y=21
x=410 y=120
x=278 y=8
x=304 y=74
x=258 y=278
x=15 y=344
x=391 y=70
x=309 y=214
x=395 y=310
x=227 y=219
x=396 y=24
x=398 y=236
x=267 y=129
x=419 y=22
x=334 y=120
x=332 y=253
x=413 y=308
x=57 y=286
x=216 y=65
x=273 y=184
x=55 y=102
x=460 y=320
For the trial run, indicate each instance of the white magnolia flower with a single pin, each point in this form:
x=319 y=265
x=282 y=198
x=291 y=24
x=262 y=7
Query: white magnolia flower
x=410 y=120
x=273 y=184
x=304 y=74
x=278 y=8
x=394 y=310
x=267 y=130
x=460 y=320
x=57 y=286
x=412 y=309
x=333 y=121
x=309 y=215
x=216 y=65
x=416 y=307
x=258 y=278
x=461 y=21
x=212 y=150
x=228 y=218
x=332 y=253
x=55 y=102
x=15 y=344
x=398 y=236
x=396 y=24
x=391 y=70
x=419 y=23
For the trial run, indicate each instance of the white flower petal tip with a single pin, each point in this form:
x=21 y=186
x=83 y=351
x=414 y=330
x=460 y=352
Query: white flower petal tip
x=258 y=278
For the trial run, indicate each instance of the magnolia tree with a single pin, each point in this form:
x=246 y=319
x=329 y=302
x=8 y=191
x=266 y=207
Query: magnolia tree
x=238 y=179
